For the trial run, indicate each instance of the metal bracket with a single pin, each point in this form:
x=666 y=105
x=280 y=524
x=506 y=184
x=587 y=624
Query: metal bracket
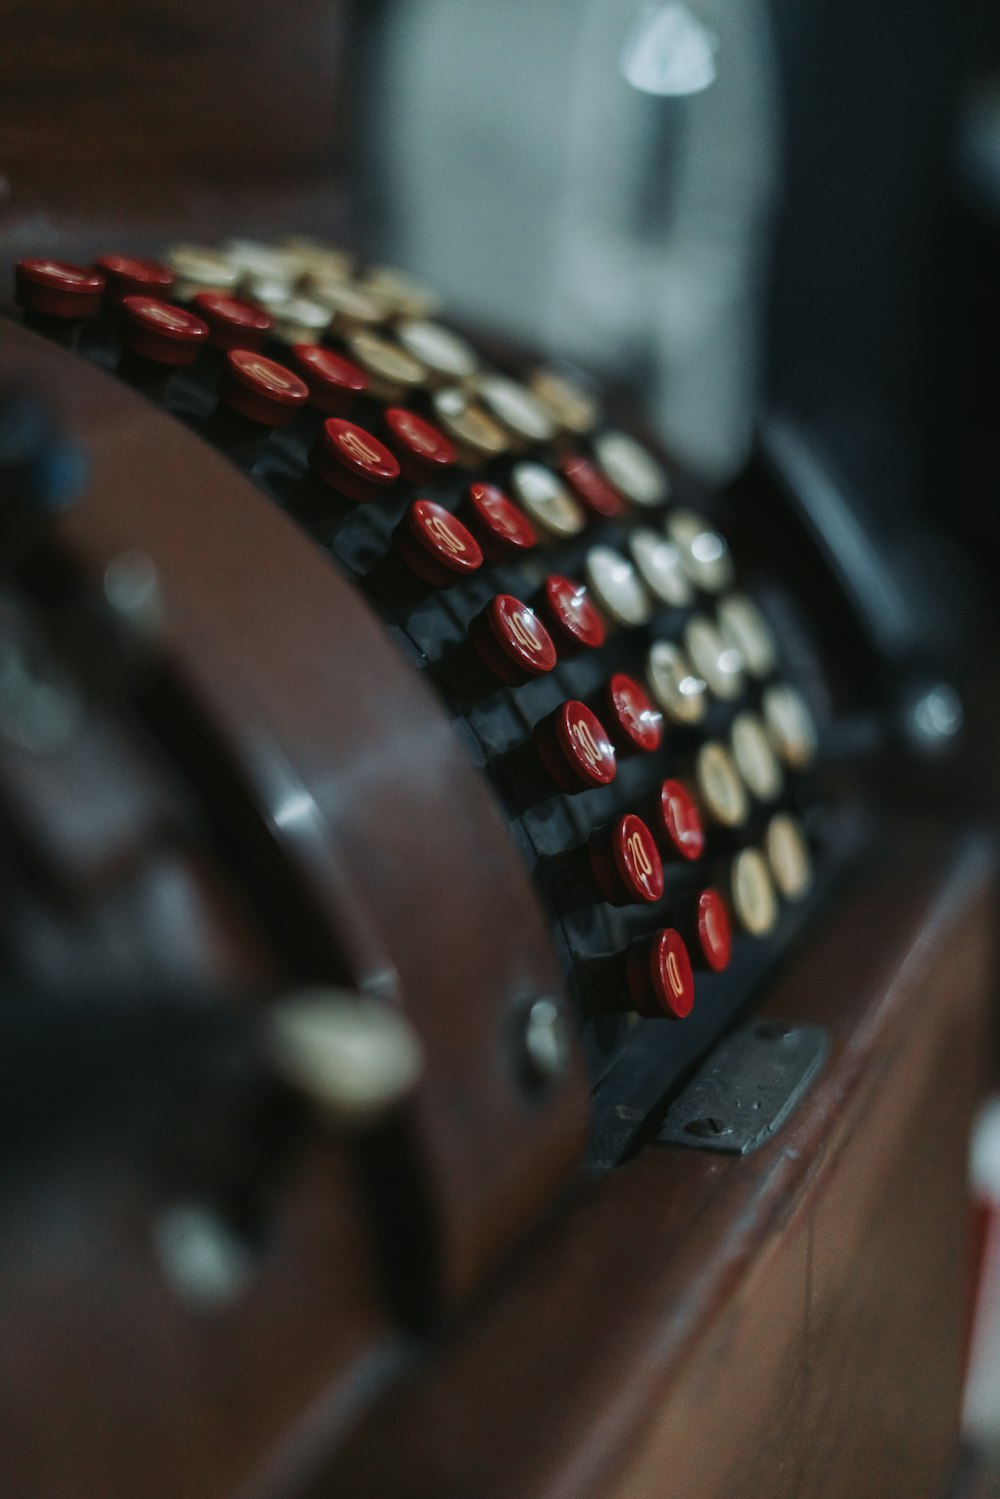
x=746 y=1089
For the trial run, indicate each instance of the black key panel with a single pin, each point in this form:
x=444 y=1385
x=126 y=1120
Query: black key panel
x=635 y=1064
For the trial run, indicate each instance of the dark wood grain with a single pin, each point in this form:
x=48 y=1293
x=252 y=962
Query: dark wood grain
x=788 y=1324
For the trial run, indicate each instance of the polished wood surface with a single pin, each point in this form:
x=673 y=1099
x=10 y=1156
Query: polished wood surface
x=789 y=1324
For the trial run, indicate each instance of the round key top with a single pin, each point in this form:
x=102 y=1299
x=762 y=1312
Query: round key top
x=633 y=471
x=424 y=453
x=589 y=486
x=161 y=333
x=744 y=627
x=502 y=530
x=334 y=382
x=755 y=904
x=659 y=976
x=260 y=389
x=617 y=587
x=352 y=461
x=126 y=276
x=353 y=312
x=231 y=324
x=720 y=787
x=516 y=409
x=658 y=564
x=571 y=615
x=791 y=725
x=788 y=855
x=575 y=749
x=477 y=437
x=435 y=545
x=198 y=269
x=678 y=690
x=755 y=758
x=677 y=821
x=720 y=664
x=704 y=553
x=398 y=295
x=714 y=944
x=565 y=401
x=626 y=863
x=392 y=373
x=511 y=641
x=300 y=321
x=445 y=354
x=633 y=720
x=547 y=501
x=57 y=289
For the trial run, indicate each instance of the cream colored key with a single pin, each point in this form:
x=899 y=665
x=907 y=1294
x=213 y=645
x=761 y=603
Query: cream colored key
x=755 y=757
x=445 y=354
x=617 y=586
x=791 y=725
x=252 y=258
x=515 y=408
x=720 y=664
x=720 y=785
x=633 y=471
x=198 y=270
x=570 y=407
x=755 y=904
x=704 y=552
x=477 y=437
x=546 y=500
x=398 y=294
x=353 y=311
x=788 y=855
x=392 y=373
x=300 y=321
x=322 y=262
x=677 y=689
x=265 y=291
x=744 y=627
x=659 y=565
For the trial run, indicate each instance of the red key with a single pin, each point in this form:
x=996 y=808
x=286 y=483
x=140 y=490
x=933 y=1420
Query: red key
x=435 y=546
x=502 y=530
x=626 y=862
x=352 y=461
x=55 y=288
x=231 y=324
x=511 y=641
x=260 y=389
x=659 y=975
x=574 y=748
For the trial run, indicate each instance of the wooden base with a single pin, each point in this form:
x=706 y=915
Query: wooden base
x=792 y=1323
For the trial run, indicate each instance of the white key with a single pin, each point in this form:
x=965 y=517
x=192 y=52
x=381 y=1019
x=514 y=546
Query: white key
x=704 y=552
x=674 y=685
x=754 y=901
x=744 y=626
x=791 y=725
x=788 y=855
x=755 y=757
x=546 y=500
x=659 y=565
x=720 y=785
x=632 y=469
x=713 y=659
x=617 y=587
